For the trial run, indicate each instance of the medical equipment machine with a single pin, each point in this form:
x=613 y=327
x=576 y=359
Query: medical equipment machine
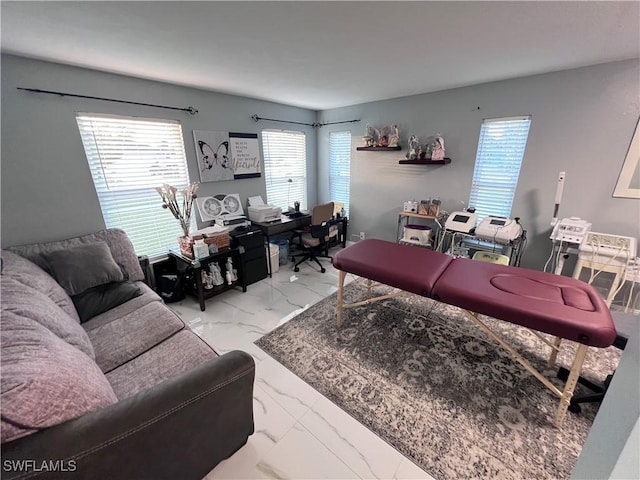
x=604 y=248
x=499 y=229
x=570 y=230
x=410 y=206
x=567 y=233
x=463 y=222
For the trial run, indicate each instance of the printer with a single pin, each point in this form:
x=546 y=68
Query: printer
x=260 y=212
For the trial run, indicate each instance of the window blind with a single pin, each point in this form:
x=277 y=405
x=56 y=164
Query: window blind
x=285 y=167
x=129 y=157
x=340 y=167
x=495 y=177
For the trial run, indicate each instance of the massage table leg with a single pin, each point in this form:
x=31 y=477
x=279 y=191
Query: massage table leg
x=576 y=367
x=554 y=351
x=340 y=307
x=570 y=386
x=515 y=354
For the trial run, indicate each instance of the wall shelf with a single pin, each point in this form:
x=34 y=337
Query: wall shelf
x=425 y=162
x=378 y=149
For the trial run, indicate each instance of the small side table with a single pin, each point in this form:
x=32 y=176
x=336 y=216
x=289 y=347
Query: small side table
x=193 y=267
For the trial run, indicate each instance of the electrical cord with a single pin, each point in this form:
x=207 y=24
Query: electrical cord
x=553 y=248
x=593 y=257
x=624 y=280
x=557 y=259
x=441 y=239
x=636 y=278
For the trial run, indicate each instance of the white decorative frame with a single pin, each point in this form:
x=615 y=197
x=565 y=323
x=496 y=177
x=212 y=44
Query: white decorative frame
x=628 y=185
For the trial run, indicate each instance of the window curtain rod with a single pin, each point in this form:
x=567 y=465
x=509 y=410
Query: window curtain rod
x=256 y=118
x=189 y=109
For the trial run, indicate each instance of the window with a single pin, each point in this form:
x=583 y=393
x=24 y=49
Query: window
x=495 y=177
x=285 y=167
x=128 y=158
x=340 y=167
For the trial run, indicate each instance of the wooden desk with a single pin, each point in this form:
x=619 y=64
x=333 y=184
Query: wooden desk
x=286 y=224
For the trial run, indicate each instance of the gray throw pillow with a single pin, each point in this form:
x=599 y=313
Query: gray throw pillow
x=29 y=274
x=80 y=268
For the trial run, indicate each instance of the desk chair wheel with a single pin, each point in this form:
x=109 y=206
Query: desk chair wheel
x=296 y=269
x=322 y=270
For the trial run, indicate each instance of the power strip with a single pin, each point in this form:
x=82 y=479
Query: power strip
x=604 y=248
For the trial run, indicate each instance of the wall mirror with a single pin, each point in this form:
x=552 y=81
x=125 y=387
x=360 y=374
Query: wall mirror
x=628 y=185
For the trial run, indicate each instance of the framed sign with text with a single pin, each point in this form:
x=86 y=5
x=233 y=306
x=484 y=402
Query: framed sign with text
x=245 y=155
x=227 y=155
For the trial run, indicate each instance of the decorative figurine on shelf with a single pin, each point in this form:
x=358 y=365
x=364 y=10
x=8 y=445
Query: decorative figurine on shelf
x=384 y=142
x=394 y=137
x=207 y=280
x=414 y=145
x=369 y=138
x=216 y=274
x=377 y=136
x=437 y=152
x=427 y=150
x=232 y=273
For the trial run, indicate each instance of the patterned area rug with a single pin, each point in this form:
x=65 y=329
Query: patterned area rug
x=428 y=381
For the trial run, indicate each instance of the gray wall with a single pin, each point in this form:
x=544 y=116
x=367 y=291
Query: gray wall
x=47 y=190
x=582 y=123
x=611 y=448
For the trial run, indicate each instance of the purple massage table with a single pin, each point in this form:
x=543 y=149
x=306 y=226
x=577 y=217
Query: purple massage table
x=563 y=307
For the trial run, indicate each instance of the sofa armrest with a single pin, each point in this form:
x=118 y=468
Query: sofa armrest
x=180 y=428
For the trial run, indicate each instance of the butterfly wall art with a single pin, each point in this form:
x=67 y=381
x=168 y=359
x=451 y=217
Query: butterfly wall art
x=226 y=156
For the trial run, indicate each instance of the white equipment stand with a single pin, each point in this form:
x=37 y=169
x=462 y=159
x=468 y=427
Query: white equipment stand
x=603 y=252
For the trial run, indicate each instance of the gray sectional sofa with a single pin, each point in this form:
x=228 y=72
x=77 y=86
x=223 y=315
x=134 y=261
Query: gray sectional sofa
x=128 y=393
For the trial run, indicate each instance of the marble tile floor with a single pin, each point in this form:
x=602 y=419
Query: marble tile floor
x=299 y=433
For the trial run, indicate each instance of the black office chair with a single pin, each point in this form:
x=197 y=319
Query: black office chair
x=623 y=322
x=314 y=240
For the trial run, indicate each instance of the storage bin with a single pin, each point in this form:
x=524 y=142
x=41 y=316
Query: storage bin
x=221 y=240
x=274 y=257
x=283 y=246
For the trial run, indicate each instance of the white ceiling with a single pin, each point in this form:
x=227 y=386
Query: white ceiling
x=321 y=55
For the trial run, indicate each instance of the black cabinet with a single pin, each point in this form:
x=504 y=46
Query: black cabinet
x=255 y=256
